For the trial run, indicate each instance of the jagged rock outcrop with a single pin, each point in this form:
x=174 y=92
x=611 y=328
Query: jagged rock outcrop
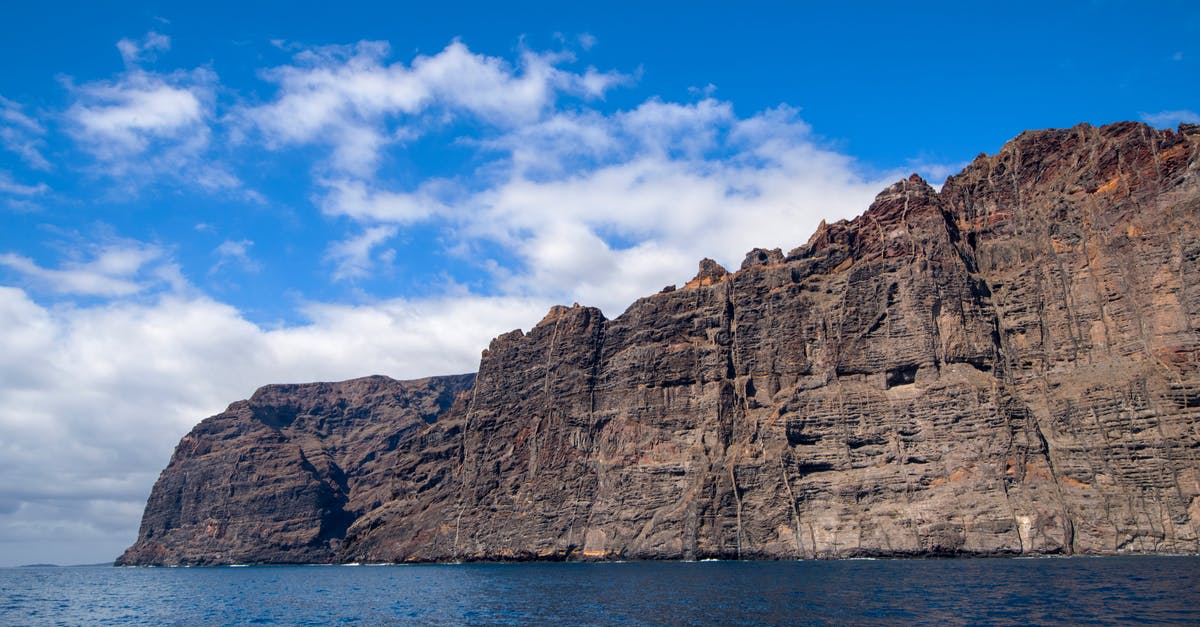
x=1008 y=366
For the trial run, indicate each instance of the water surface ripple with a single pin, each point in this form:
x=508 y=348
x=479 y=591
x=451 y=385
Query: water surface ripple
x=1110 y=590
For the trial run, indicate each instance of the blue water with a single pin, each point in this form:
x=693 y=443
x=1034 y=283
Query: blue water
x=1111 y=590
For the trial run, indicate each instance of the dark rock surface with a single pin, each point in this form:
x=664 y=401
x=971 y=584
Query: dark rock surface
x=280 y=477
x=1008 y=366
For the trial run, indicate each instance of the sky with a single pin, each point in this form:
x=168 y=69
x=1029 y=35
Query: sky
x=199 y=200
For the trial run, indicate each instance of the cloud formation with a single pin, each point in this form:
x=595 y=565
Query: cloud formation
x=22 y=135
x=354 y=257
x=123 y=117
x=602 y=209
x=594 y=206
x=144 y=126
x=114 y=269
x=348 y=98
x=1168 y=119
x=234 y=253
x=357 y=200
x=134 y=52
x=652 y=190
x=9 y=186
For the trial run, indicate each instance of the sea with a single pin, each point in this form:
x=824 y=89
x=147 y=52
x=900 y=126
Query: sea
x=1077 y=591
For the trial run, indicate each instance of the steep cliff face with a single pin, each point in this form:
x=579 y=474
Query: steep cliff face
x=1010 y=365
x=280 y=477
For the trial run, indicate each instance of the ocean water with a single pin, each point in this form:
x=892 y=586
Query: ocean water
x=1109 y=590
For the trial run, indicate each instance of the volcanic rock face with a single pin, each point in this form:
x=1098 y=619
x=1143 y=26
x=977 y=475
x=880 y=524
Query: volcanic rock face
x=1008 y=366
x=280 y=477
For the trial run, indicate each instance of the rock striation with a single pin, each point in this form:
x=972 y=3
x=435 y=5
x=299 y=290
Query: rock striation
x=1007 y=366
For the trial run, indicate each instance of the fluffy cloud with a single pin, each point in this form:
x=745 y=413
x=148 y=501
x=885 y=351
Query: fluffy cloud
x=602 y=209
x=123 y=117
x=93 y=399
x=594 y=206
x=143 y=126
x=348 y=98
x=619 y=231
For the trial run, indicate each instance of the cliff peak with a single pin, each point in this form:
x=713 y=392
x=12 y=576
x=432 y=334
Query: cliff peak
x=559 y=312
x=762 y=257
x=710 y=272
x=901 y=197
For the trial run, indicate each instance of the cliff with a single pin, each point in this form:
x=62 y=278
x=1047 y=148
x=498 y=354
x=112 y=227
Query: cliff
x=280 y=477
x=1008 y=366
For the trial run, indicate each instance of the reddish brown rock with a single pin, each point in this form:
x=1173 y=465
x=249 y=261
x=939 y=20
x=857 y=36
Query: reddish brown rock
x=1008 y=366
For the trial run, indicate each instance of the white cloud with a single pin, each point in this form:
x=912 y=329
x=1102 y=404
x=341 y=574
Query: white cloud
x=487 y=86
x=22 y=135
x=123 y=117
x=664 y=127
x=115 y=269
x=234 y=249
x=602 y=209
x=625 y=230
x=345 y=96
x=1168 y=119
x=134 y=52
x=143 y=126
x=234 y=253
x=353 y=198
x=9 y=186
x=559 y=144
x=92 y=399
x=352 y=257
x=11 y=114
x=595 y=207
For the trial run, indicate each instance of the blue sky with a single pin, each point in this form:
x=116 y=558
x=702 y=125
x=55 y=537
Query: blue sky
x=195 y=201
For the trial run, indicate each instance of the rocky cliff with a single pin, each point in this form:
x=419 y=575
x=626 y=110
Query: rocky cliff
x=280 y=477
x=1008 y=366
